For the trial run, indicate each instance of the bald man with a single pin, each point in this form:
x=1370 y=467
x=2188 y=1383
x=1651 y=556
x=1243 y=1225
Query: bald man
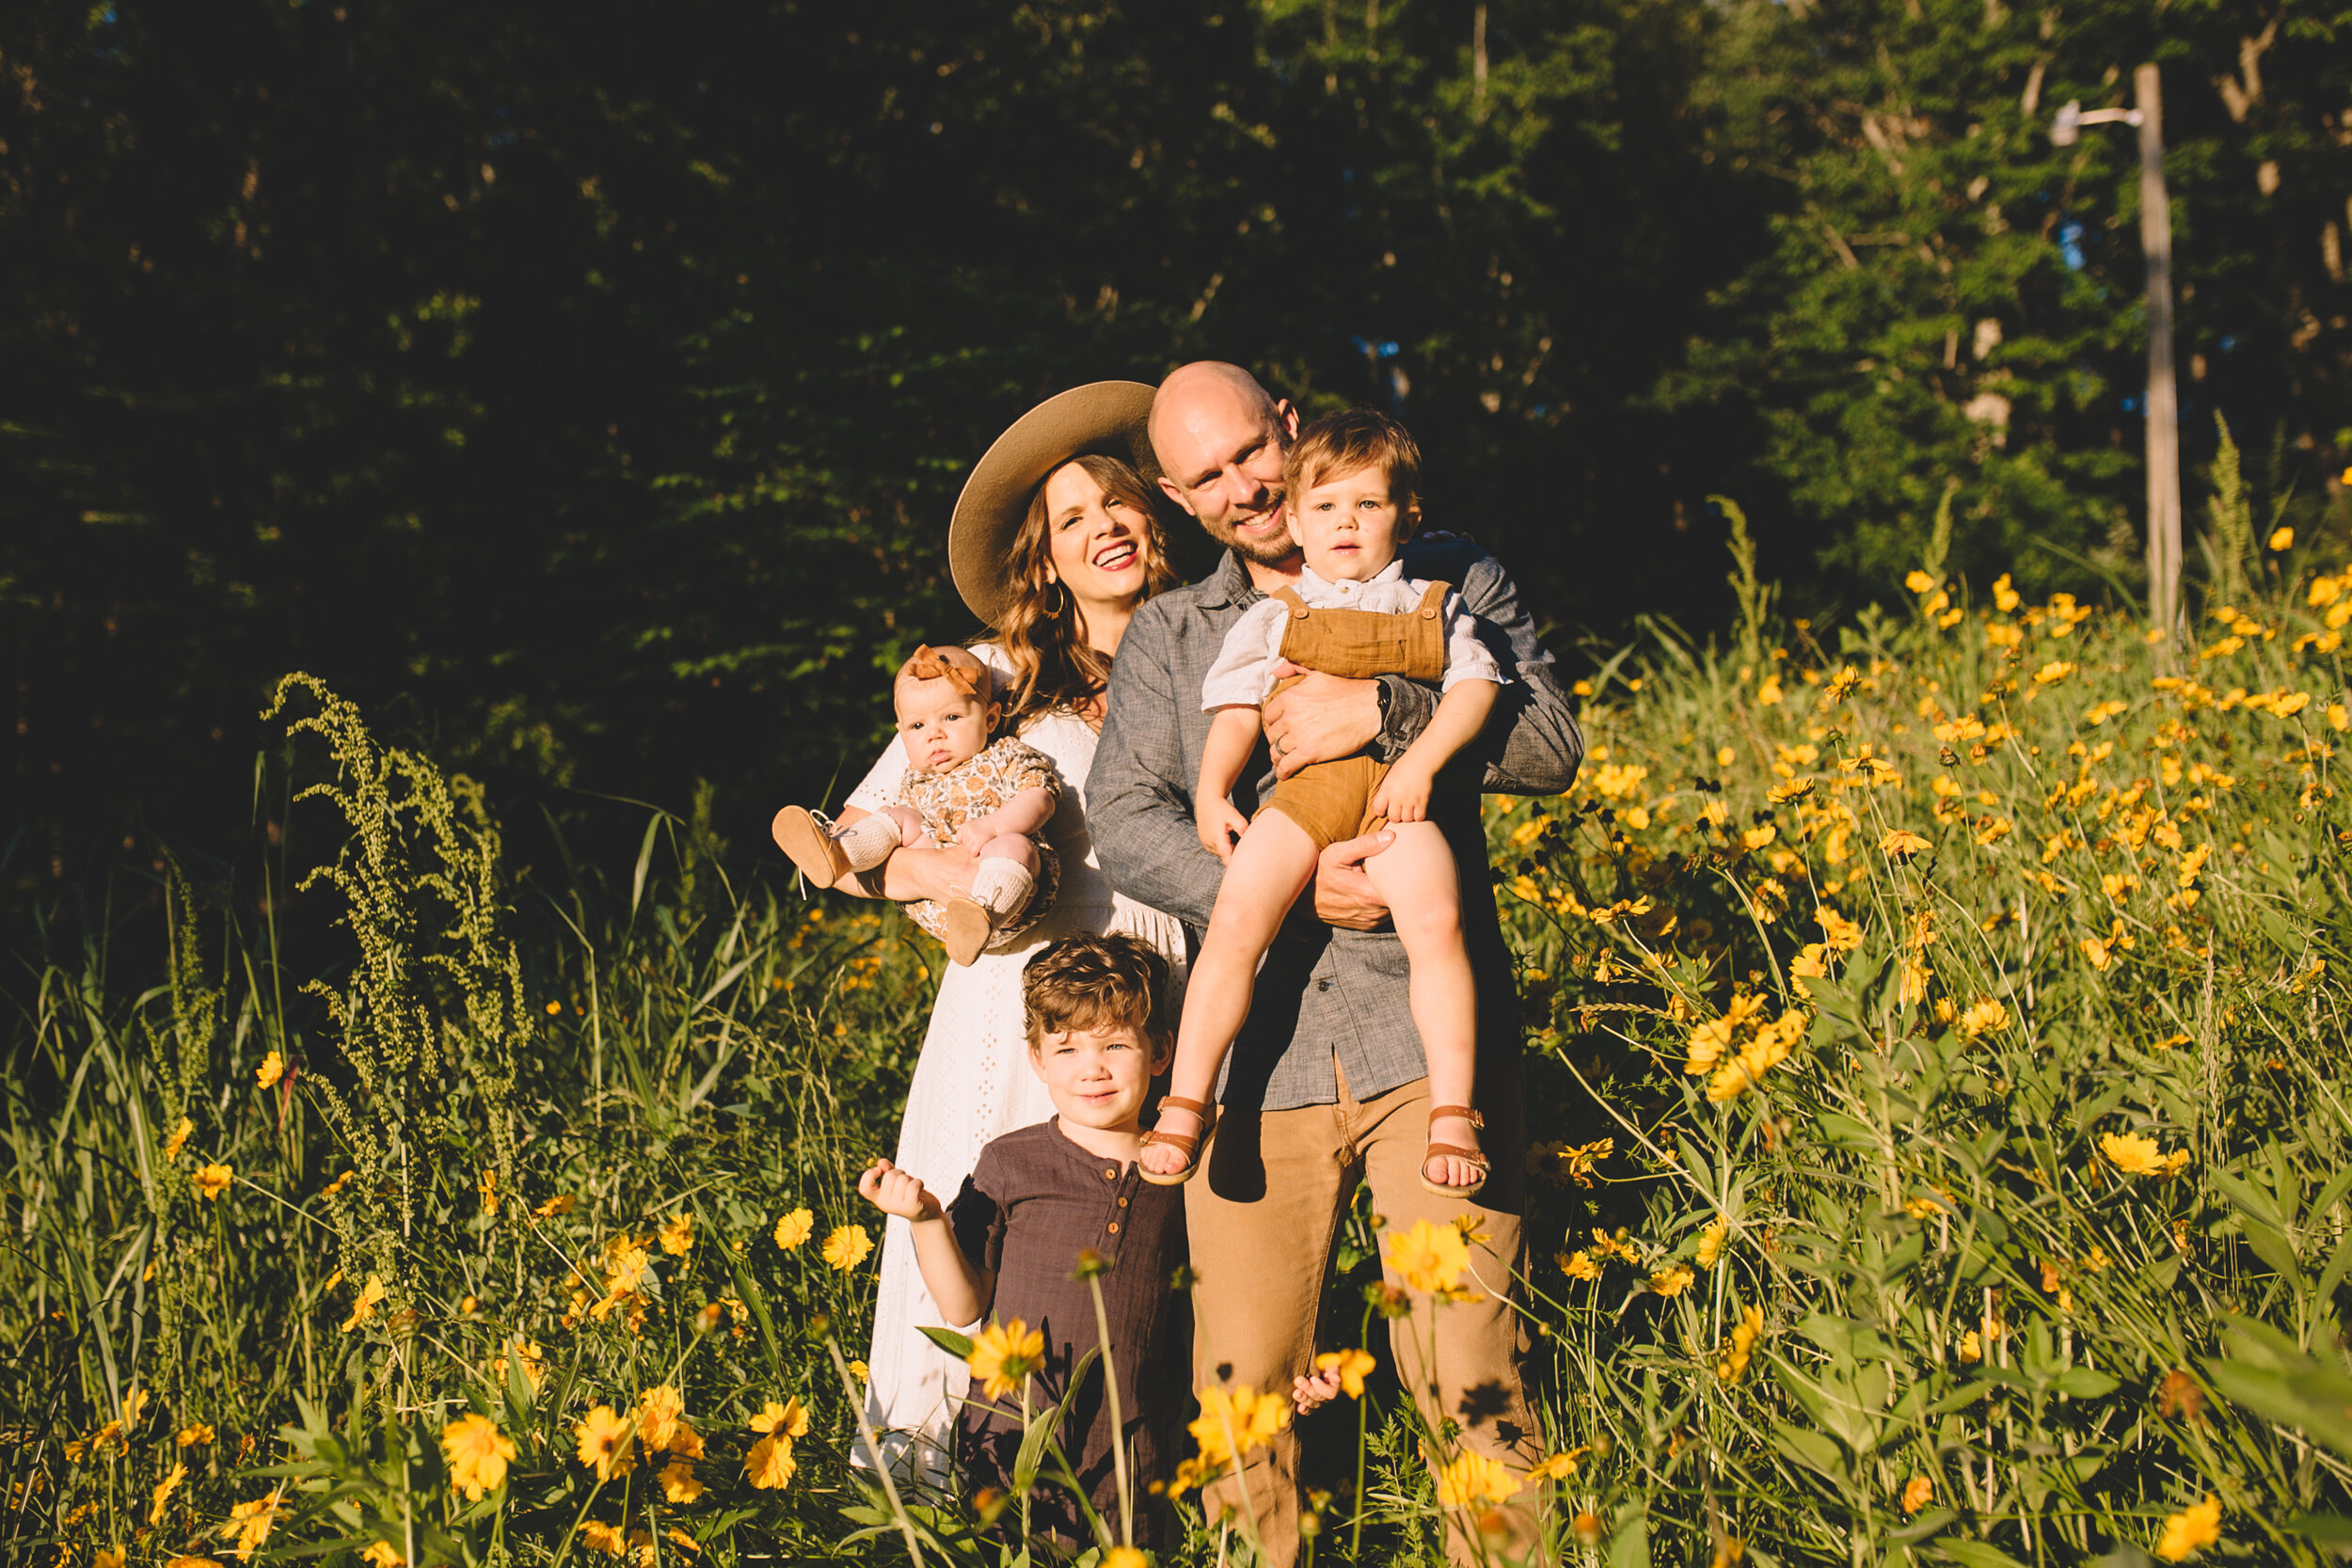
x=1327 y=1081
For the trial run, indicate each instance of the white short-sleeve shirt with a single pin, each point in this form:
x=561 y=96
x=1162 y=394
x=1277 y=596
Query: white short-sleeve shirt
x=1243 y=675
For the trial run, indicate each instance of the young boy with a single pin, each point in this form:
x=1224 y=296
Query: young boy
x=993 y=797
x=1351 y=479
x=1009 y=1243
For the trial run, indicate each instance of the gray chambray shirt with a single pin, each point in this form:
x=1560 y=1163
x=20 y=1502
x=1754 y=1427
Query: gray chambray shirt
x=1326 y=998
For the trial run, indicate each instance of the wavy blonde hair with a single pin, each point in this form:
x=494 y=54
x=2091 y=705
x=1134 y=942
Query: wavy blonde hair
x=1051 y=666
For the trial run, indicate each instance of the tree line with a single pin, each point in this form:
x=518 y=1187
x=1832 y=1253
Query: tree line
x=585 y=393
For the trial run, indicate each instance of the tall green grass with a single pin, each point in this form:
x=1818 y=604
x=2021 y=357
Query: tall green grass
x=1926 y=1173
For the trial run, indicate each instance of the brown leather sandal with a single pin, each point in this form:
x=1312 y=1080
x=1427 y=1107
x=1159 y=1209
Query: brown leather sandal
x=1186 y=1144
x=964 y=929
x=808 y=839
x=1476 y=1157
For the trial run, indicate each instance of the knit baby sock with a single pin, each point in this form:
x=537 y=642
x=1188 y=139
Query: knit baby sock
x=868 y=841
x=1002 y=887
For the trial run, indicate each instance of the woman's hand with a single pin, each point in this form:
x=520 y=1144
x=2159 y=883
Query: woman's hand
x=897 y=1192
x=1221 y=824
x=1403 y=795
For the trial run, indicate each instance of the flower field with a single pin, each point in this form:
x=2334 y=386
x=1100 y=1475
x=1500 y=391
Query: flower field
x=1935 y=1026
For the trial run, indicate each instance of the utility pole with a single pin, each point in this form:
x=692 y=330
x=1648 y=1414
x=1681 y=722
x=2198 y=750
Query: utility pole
x=2162 y=403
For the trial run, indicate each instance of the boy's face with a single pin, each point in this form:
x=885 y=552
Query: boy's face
x=1098 y=1077
x=1350 y=526
x=941 y=726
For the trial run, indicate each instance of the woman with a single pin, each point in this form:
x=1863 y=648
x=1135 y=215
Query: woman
x=1054 y=543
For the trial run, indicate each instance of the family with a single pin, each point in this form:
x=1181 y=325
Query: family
x=1224 y=835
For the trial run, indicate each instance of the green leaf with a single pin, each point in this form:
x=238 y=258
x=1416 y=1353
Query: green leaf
x=1810 y=1449
x=1975 y=1553
x=957 y=1345
x=1630 y=1546
x=2084 y=1383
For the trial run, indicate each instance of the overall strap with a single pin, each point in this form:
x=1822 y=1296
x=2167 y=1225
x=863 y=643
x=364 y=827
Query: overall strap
x=1433 y=600
x=1289 y=596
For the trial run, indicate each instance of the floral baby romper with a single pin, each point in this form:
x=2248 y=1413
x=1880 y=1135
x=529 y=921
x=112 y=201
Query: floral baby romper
x=974 y=788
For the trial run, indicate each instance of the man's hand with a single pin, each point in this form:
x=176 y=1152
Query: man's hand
x=976 y=831
x=1220 y=823
x=1344 y=897
x=1322 y=718
x=895 y=1192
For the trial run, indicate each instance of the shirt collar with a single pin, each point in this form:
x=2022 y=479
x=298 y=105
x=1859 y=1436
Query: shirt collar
x=1229 y=584
x=1392 y=572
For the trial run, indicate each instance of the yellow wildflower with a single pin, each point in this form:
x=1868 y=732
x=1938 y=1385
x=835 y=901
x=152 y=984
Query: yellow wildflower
x=1672 y=1280
x=2095 y=952
x=1427 y=1258
x=677 y=1235
x=2191 y=1531
x=2052 y=673
x=109 y=1557
x=179 y=1139
x=1917 y=1493
x=273 y=1068
x=249 y=1524
x=1004 y=1355
x=194 y=1434
x=562 y=1203
x=604 y=1442
x=363 y=1309
x=1232 y=1425
x=795 y=1228
x=478 y=1454
x=847 y=1246
x=1474 y=1479
x=2282 y=539
x=596 y=1535
x=1901 y=844
x=2135 y=1155
x=382 y=1554
x=1983 y=1018
x=679 y=1486
x=1352 y=1365
x=1558 y=1466
x=163 y=1492
x=790 y=1418
x=1745 y=1334
x=1971 y=1348
x=211 y=1181
x=770 y=1466
x=1711 y=1241
x=658 y=1411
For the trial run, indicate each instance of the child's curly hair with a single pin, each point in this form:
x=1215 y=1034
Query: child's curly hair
x=1093 y=982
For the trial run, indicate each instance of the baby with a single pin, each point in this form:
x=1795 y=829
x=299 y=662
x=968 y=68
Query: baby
x=992 y=797
x=1351 y=482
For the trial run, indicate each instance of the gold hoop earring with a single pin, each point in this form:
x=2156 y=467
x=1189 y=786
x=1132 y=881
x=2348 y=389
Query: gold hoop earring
x=1061 y=600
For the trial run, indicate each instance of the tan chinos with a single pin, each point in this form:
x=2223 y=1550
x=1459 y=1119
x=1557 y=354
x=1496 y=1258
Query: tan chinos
x=1265 y=1213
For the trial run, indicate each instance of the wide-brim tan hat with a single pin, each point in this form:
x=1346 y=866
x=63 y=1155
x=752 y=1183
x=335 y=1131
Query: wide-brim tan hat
x=1108 y=419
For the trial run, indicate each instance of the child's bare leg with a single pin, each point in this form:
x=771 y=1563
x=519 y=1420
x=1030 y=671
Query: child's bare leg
x=1269 y=868
x=1417 y=878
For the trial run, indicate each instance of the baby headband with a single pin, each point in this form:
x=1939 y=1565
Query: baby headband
x=930 y=664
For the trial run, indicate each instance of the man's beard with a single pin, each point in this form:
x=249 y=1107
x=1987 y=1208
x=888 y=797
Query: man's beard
x=1271 y=551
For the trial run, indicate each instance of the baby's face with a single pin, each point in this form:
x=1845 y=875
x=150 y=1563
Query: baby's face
x=941 y=726
x=1097 y=1077
x=1349 y=526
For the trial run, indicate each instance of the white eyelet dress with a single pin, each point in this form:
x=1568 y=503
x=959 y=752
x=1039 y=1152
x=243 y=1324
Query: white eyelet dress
x=973 y=1085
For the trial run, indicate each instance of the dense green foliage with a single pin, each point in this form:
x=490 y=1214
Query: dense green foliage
x=1933 y=1025
x=586 y=395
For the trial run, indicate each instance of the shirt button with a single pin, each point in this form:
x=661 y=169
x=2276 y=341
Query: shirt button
x=1322 y=984
x=1110 y=1176
x=1122 y=1203
x=1114 y=1227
